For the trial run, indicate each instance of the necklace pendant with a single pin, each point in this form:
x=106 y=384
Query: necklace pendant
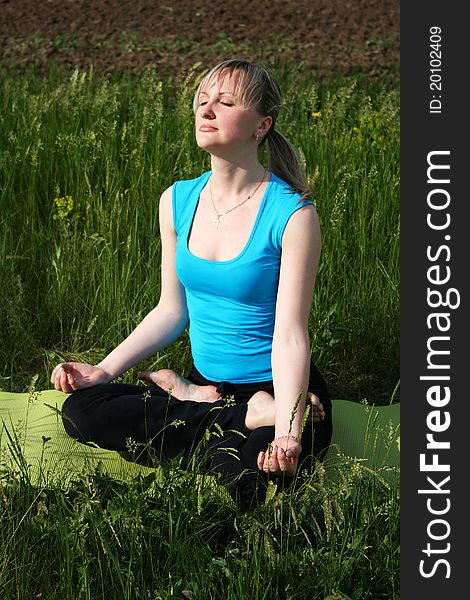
x=217 y=221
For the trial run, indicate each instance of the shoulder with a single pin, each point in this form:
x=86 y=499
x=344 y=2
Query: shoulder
x=301 y=243
x=165 y=209
x=281 y=188
x=188 y=185
x=303 y=222
x=173 y=201
x=289 y=210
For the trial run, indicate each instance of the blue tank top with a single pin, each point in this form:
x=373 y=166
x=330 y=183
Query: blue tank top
x=232 y=303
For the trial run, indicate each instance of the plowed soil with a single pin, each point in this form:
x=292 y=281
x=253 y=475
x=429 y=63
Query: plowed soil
x=322 y=36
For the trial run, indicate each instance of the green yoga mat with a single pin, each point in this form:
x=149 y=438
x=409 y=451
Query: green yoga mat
x=33 y=440
x=368 y=433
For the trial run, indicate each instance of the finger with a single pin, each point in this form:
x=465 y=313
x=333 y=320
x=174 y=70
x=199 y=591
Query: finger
x=267 y=457
x=282 y=459
x=69 y=376
x=273 y=461
x=56 y=383
x=291 y=454
x=55 y=372
x=63 y=380
x=57 y=380
x=64 y=384
x=71 y=382
x=260 y=461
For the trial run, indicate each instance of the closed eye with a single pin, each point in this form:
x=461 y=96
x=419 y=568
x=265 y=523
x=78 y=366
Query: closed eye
x=224 y=103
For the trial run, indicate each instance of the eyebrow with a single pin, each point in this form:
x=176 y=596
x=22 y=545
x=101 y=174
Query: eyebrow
x=220 y=94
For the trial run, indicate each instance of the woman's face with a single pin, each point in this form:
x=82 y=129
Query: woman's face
x=222 y=121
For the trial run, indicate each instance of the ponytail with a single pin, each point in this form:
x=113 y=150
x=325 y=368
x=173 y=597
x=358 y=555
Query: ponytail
x=284 y=161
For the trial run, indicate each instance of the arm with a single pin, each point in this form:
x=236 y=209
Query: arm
x=301 y=246
x=158 y=329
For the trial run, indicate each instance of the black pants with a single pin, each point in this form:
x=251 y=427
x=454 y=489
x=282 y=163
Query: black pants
x=145 y=423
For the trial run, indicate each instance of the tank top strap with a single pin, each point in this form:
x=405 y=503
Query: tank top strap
x=185 y=195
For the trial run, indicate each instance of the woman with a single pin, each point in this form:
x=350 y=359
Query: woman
x=240 y=250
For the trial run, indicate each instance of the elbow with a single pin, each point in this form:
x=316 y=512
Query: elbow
x=175 y=313
x=295 y=338
x=180 y=318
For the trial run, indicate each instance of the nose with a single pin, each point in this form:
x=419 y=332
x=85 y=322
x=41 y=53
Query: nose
x=207 y=111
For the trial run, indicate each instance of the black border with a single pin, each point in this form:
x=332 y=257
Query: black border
x=421 y=133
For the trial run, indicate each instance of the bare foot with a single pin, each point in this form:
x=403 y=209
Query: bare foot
x=318 y=412
x=261 y=410
x=179 y=387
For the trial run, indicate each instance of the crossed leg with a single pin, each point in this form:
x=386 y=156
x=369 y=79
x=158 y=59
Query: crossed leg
x=261 y=407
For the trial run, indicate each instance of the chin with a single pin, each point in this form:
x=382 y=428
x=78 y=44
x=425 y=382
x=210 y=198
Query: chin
x=205 y=144
x=202 y=145
x=201 y=141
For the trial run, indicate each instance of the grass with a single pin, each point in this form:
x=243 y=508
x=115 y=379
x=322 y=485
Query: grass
x=170 y=534
x=83 y=161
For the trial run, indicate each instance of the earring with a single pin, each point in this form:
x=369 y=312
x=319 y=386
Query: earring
x=257 y=137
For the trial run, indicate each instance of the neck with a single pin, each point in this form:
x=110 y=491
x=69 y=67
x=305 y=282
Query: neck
x=235 y=178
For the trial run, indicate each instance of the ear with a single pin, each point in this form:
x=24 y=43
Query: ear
x=265 y=126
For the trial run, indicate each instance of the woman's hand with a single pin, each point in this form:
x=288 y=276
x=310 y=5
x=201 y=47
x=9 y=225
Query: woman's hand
x=71 y=376
x=281 y=458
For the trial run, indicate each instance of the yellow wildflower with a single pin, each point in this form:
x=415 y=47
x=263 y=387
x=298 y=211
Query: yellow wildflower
x=63 y=206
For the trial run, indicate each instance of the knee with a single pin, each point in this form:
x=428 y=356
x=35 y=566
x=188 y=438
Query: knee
x=73 y=417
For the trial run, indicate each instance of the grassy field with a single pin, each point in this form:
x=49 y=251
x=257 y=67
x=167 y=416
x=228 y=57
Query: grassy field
x=83 y=161
x=174 y=535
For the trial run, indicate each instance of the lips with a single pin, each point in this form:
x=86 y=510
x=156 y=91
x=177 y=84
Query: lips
x=207 y=128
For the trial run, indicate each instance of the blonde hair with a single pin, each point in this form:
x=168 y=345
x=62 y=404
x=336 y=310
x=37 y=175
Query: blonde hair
x=256 y=87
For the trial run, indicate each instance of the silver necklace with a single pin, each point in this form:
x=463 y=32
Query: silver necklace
x=220 y=215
